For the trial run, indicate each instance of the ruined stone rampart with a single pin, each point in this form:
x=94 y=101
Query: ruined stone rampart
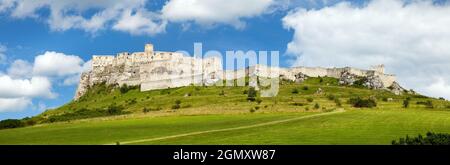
x=158 y=70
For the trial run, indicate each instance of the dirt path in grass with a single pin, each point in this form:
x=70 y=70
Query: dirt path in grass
x=229 y=129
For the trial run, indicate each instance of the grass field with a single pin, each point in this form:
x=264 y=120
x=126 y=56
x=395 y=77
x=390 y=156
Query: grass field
x=350 y=127
x=221 y=115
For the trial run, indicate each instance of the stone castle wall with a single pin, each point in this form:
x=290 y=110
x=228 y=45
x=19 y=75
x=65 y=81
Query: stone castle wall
x=149 y=69
x=159 y=70
x=289 y=73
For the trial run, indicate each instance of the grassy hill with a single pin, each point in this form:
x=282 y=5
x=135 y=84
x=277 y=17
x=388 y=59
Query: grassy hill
x=223 y=115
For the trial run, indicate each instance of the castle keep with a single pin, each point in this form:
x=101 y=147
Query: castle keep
x=159 y=70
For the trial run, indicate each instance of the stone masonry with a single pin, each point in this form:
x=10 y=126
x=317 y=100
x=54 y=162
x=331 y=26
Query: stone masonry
x=160 y=70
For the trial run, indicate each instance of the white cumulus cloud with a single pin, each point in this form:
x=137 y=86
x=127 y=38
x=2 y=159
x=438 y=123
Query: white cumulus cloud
x=410 y=38
x=140 y=22
x=20 y=68
x=25 y=81
x=34 y=87
x=210 y=12
x=134 y=16
x=14 y=104
x=57 y=64
x=87 y=15
x=439 y=88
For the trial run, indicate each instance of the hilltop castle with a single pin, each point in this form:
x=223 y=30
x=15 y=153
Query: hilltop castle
x=159 y=70
x=150 y=69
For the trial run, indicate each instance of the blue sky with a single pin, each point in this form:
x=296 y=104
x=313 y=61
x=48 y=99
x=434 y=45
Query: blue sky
x=311 y=33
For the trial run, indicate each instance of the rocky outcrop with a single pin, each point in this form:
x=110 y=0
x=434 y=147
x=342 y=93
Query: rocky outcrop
x=109 y=75
x=83 y=86
x=373 y=82
x=159 y=70
x=370 y=81
x=300 y=77
x=396 y=88
x=347 y=78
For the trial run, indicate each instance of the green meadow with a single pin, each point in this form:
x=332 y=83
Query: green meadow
x=299 y=114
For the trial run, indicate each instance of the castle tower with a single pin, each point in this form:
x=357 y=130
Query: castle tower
x=148 y=48
x=378 y=68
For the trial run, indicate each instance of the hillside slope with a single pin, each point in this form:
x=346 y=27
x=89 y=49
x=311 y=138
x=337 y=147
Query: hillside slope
x=102 y=100
x=224 y=115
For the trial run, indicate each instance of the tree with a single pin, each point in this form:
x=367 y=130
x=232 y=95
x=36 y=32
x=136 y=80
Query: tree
x=338 y=102
x=316 y=106
x=177 y=104
x=259 y=100
x=11 y=123
x=124 y=88
x=145 y=110
x=113 y=109
x=251 y=96
x=360 y=103
x=406 y=102
x=429 y=104
x=305 y=88
x=429 y=139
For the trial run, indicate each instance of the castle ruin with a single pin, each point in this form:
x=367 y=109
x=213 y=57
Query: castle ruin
x=160 y=70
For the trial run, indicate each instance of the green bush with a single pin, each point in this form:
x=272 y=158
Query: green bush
x=361 y=103
x=124 y=88
x=222 y=93
x=11 y=123
x=294 y=91
x=131 y=101
x=145 y=110
x=406 y=102
x=331 y=97
x=309 y=99
x=176 y=106
x=298 y=104
x=86 y=113
x=114 y=109
x=258 y=100
x=29 y=122
x=359 y=83
x=305 y=88
x=251 y=96
x=316 y=106
x=338 y=102
x=428 y=103
x=429 y=139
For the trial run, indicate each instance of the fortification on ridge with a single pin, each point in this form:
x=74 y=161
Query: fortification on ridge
x=159 y=70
